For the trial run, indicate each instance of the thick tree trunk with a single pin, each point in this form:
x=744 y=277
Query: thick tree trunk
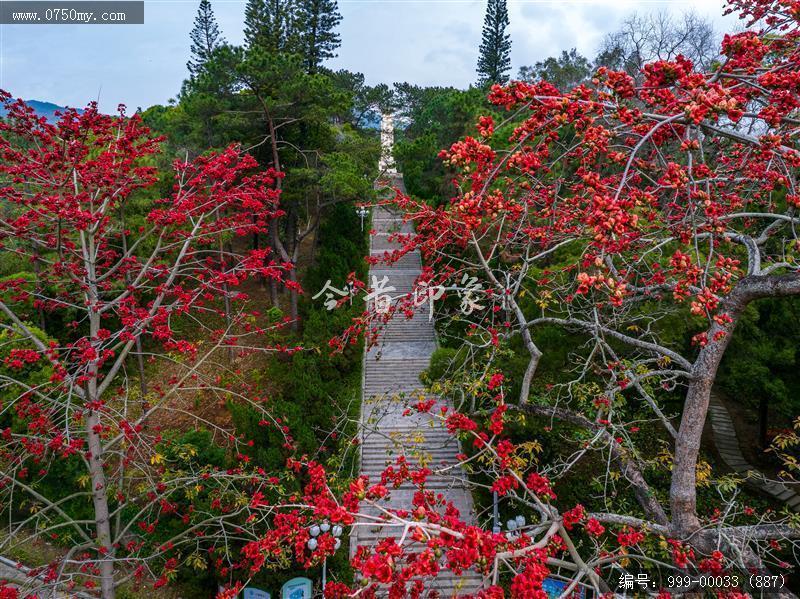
x=100 y=504
x=683 y=490
x=95 y=456
x=97 y=475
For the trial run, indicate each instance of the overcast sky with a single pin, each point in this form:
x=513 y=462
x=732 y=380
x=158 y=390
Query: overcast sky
x=421 y=41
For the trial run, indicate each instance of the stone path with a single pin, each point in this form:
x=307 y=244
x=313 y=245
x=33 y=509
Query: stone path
x=390 y=383
x=728 y=446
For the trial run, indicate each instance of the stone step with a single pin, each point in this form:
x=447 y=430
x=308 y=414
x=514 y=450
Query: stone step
x=440 y=440
x=383 y=213
x=375 y=466
x=409 y=254
x=393 y=364
x=383 y=244
x=434 y=425
x=371 y=462
x=420 y=326
x=390 y=455
x=375 y=373
x=398 y=408
x=444 y=586
x=418 y=323
x=393 y=373
x=386 y=332
x=382 y=430
x=432 y=484
x=404 y=261
x=394 y=275
x=376 y=376
x=397 y=402
x=379 y=363
x=379 y=384
x=378 y=370
x=398 y=416
x=378 y=367
x=376 y=385
x=381 y=269
x=429 y=445
x=385 y=392
x=401 y=335
x=395 y=398
x=379 y=403
x=383 y=453
x=405 y=363
x=406 y=377
x=374 y=458
x=407 y=336
x=727 y=444
x=386 y=227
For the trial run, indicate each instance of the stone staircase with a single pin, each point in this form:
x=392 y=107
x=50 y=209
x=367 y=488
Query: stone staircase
x=390 y=384
x=728 y=446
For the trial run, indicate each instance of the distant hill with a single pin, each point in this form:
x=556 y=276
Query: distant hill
x=45 y=109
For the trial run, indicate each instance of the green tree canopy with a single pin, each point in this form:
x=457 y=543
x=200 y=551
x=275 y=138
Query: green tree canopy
x=317 y=22
x=565 y=71
x=494 y=60
x=205 y=37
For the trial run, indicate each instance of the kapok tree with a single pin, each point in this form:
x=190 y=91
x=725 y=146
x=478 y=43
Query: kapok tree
x=614 y=211
x=142 y=505
x=96 y=279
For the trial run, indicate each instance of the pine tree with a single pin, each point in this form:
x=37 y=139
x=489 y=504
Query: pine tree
x=318 y=20
x=494 y=60
x=205 y=38
x=271 y=25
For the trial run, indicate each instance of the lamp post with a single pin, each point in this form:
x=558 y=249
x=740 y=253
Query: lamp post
x=323 y=528
x=495 y=514
x=362 y=212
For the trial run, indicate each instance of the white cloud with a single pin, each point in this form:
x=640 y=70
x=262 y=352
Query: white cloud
x=430 y=42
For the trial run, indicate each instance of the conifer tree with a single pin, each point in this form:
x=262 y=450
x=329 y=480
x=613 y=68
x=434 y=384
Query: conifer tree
x=271 y=25
x=205 y=37
x=318 y=20
x=494 y=60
